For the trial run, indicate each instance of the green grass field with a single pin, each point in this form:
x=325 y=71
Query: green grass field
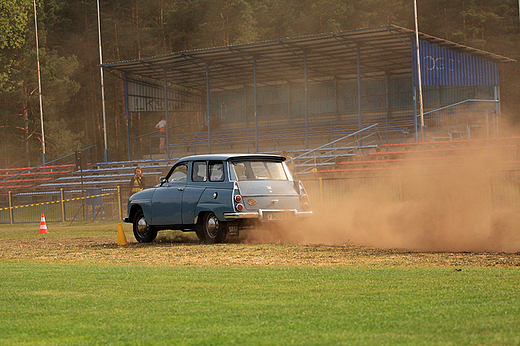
x=172 y=293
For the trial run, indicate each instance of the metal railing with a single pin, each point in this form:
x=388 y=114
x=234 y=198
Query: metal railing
x=325 y=155
x=62 y=205
x=500 y=190
x=270 y=138
x=460 y=115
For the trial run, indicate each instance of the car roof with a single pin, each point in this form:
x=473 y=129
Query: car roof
x=225 y=157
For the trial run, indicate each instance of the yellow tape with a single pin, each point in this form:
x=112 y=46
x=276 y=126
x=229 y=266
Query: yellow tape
x=65 y=200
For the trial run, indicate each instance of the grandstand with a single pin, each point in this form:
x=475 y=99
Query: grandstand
x=343 y=156
x=100 y=191
x=304 y=92
x=340 y=104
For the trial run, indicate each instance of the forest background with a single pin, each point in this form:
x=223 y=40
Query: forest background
x=132 y=29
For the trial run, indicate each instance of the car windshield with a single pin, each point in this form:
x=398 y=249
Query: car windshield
x=179 y=174
x=259 y=170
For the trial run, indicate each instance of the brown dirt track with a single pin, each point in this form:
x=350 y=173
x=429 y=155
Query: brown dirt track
x=183 y=250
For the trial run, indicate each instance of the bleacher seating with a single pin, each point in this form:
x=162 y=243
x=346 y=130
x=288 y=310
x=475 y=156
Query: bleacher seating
x=113 y=174
x=392 y=156
x=27 y=177
x=277 y=138
x=346 y=158
x=448 y=144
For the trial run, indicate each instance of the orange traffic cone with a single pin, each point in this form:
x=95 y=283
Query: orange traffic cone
x=43 y=226
x=121 y=238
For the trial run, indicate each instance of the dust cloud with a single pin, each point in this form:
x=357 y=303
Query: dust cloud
x=468 y=200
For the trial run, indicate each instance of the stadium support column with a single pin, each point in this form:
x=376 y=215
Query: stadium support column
x=289 y=114
x=166 y=116
x=246 y=120
x=208 y=108
x=255 y=109
x=125 y=87
x=306 y=102
x=414 y=96
x=387 y=92
x=415 y=111
x=359 y=90
x=336 y=99
x=497 y=109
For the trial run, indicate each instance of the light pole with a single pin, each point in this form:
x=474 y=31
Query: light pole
x=44 y=154
x=105 y=152
x=419 y=69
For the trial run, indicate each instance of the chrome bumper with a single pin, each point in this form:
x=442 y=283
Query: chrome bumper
x=260 y=215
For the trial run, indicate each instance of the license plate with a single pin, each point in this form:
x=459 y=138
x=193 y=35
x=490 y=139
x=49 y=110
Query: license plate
x=273 y=217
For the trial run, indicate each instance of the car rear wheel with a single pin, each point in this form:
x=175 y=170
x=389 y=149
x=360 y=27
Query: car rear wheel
x=143 y=232
x=212 y=230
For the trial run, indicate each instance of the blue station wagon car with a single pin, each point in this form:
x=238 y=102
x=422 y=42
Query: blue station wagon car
x=216 y=195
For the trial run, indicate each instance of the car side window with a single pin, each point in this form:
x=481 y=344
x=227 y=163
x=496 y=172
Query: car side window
x=179 y=174
x=199 y=171
x=216 y=171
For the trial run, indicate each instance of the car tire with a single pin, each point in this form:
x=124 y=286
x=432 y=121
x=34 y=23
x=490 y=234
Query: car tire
x=143 y=232
x=200 y=233
x=211 y=229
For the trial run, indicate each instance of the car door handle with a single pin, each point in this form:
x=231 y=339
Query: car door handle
x=180 y=188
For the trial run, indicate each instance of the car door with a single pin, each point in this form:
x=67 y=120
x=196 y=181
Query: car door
x=167 y=199
x=208 y=191
x=191 y=197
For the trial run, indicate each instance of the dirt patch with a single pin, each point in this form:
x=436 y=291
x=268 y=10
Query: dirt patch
x=184 y=250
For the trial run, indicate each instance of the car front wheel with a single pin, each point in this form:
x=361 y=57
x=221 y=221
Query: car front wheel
x=212 y=230
x=143 y=232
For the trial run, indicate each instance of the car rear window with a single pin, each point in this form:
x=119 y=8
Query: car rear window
x=259 y=170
